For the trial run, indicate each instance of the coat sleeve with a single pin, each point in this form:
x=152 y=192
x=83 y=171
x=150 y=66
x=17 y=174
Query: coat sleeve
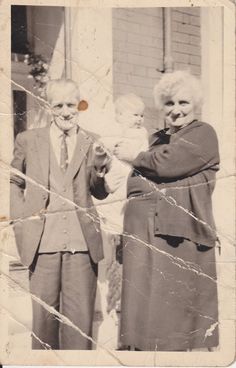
x=186 y=155
x=17 y=182
x=96 y=183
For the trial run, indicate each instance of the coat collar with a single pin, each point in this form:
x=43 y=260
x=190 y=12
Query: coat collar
x=42 y=144
x=162 y=136
x=80 y=152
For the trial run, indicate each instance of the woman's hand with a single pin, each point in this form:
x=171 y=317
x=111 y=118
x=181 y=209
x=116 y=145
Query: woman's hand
x=127 y=150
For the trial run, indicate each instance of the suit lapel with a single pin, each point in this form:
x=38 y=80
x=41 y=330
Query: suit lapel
x=42 y=145
x=81 y=149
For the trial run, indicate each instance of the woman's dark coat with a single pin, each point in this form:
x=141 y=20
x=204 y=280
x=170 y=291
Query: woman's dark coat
x=169 y=292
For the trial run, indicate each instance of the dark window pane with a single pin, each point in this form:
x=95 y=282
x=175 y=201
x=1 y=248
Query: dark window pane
x=19 y=110
x=19 y=42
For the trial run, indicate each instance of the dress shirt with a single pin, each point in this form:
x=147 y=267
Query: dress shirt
x=56 y=139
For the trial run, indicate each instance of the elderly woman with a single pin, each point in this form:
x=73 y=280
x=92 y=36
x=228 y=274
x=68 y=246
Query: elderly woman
x=169 y=292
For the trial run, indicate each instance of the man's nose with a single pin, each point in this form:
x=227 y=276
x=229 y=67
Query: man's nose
x=65 y=111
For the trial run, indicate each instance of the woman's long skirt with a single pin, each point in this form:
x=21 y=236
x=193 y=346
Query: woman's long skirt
x=169 y=292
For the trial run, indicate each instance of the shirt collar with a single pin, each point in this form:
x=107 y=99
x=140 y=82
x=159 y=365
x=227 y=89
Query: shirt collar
x=57 y=132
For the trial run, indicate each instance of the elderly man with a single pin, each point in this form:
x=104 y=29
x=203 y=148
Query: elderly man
x=58 y=231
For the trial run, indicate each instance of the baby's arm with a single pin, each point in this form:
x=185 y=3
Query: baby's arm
x=144 y=142
x=132 y=145
x=109 y=143
x=116 y=176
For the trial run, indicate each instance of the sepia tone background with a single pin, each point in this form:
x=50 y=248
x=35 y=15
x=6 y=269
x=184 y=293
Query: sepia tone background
x=111 y=51
x=146 y=42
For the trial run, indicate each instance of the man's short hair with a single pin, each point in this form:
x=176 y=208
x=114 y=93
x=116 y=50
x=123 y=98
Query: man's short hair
x=54 y=84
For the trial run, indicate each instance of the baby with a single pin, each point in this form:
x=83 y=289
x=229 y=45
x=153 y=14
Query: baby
x=128 y=127
x=129 y=111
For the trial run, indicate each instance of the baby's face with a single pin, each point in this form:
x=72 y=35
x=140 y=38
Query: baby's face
x=130 y=118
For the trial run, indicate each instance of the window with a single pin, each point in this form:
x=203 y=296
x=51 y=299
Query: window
x=19 y=40
x=19 y=111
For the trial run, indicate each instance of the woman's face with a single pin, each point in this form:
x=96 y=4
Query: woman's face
x=179 y=109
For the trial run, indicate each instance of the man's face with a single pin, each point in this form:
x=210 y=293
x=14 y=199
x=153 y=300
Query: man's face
x=64 y=103
x=179 y=109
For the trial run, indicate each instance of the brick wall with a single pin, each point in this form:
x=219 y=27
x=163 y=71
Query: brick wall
x=186 y=39
x=138 y=54
x=138 y=44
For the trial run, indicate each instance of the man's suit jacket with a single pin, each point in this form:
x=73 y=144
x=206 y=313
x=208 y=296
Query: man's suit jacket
x=30 y=193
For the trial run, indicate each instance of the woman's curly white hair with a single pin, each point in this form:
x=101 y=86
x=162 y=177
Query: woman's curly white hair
x=171 y=83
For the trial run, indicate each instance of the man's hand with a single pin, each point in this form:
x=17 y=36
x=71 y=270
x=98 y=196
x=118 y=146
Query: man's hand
x=101 y=159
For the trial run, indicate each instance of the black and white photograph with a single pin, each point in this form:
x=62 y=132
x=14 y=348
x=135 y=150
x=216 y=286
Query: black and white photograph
x=117 y=186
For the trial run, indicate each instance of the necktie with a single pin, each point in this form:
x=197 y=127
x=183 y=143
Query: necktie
x=64 y=153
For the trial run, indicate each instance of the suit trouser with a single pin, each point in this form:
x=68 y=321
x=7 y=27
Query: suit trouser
x=66 y=282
